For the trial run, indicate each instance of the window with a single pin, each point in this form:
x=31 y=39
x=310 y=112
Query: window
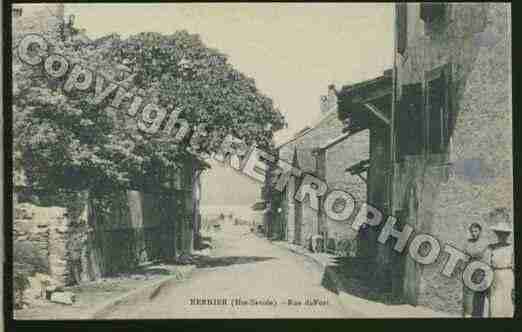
x=401 y=26
x=437 y=110
x=423 y=117
x=410 y=125
x=436 y=113
x=430 y=12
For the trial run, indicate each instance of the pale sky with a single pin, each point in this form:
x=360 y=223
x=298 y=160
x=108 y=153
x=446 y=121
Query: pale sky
x=293 y=51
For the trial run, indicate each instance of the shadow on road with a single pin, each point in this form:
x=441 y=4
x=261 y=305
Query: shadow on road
x=203 y=246
x=355 y=277
x=206 y=261
x=153 y=271
x=206 y=239
x=202 y=242
x=146 y=270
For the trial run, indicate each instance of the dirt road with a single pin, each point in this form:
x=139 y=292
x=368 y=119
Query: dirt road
x=245 y=277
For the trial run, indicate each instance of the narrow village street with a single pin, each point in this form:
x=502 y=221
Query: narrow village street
x=167 y=169
x=247 y=267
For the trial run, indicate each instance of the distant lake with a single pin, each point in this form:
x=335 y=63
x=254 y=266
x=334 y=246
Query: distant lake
x=238 y=211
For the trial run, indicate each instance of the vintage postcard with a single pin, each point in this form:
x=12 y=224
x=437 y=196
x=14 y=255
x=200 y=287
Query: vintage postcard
x=261 y=160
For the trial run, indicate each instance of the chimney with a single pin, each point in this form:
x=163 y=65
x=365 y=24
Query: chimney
x=329 y=101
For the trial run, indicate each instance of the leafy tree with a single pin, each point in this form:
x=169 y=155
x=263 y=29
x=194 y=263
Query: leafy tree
x=68 y=142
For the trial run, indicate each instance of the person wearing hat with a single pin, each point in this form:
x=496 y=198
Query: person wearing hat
x=500 y=258
x=474 y=304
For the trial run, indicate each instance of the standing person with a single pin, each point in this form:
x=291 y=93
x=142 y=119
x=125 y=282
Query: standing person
x=474 y=304
x=500 y=258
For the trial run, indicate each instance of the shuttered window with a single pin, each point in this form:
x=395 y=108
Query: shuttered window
x=436 y=111
x=401 y=27
x=411 y=125
x=430 y=12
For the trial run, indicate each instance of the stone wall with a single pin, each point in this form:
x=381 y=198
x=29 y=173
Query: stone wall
x=59 y=235
x=339 y=157
x=99 y=237
x=475 y=40
x=32 y=224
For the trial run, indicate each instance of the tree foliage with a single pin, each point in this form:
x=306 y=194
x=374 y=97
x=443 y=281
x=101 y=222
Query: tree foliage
x=66 y=141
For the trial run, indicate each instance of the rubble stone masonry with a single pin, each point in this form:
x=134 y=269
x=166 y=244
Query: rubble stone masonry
x=443 y=200
x=58 y=235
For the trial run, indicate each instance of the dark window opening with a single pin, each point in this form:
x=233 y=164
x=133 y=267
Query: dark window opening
x=430 y=12
x=437 y=115
x=410 y=123
x=402 y=27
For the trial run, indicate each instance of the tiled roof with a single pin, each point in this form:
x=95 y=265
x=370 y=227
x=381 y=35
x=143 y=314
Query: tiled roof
x=308 y=129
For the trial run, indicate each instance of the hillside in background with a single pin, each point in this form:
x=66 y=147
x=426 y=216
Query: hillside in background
x=224 y=186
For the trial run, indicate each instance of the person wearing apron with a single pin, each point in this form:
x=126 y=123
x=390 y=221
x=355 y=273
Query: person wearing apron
x=500 y=257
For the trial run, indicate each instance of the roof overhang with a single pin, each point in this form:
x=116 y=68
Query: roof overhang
x=260 y=206
x=359 y=102
x=359 y=167
x=334 y=141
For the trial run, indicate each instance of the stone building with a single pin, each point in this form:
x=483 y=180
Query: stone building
x=453 y=61
x=448 y=156
x=322 y=150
